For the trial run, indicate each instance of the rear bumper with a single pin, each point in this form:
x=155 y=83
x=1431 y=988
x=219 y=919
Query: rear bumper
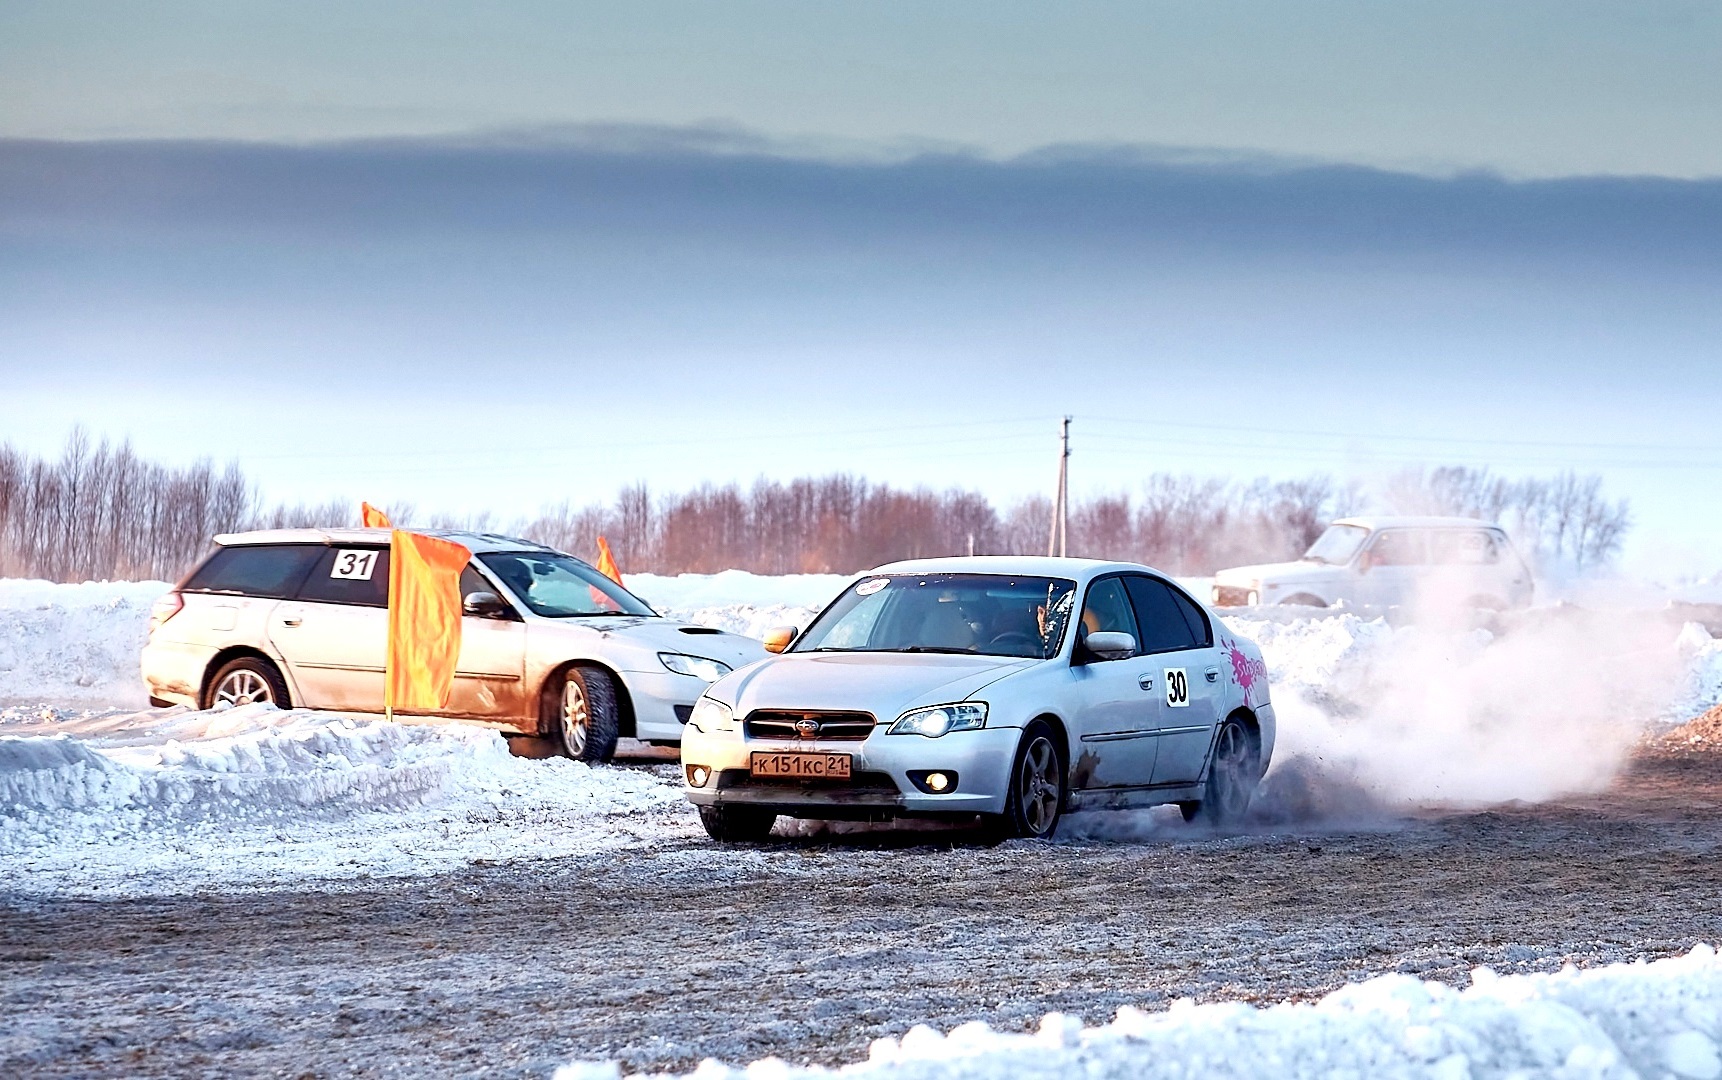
x=173 y=670
x=881 y=784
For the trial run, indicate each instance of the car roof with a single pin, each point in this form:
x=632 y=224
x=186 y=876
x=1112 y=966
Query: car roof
x=1026 y=565
x=472 y=541
x=1392 y=521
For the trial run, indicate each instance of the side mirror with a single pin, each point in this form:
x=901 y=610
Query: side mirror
x=485 y=605
x=1110 y=644
x=1365 y=562
x=779 y=638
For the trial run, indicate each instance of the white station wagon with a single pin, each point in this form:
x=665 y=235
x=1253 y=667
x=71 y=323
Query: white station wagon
x=1012 y=688
x=549 y=646
x=1388 y=562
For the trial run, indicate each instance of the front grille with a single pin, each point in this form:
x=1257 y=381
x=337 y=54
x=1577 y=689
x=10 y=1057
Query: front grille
x=767 y=724
x=1231 y=596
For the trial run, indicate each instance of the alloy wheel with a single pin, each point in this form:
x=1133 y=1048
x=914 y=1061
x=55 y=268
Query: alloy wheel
x=576 y=718
x=1038 y=786
x=1230 y=782
x=242 y=687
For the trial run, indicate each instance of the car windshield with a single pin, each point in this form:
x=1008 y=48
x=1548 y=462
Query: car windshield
x=1337 y=545
x=561 y=587
x=986 y=614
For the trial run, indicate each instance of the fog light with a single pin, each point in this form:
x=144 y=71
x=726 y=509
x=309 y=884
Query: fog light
x=698 y=775
x=938 y=782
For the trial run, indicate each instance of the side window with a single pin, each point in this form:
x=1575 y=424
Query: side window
x=1465 y=547
x=349 y=575
x=1201 y=632
x=1108 y=608
x=1169 y=621
x=1398 y=547
x=471 y=581
x=267 y=570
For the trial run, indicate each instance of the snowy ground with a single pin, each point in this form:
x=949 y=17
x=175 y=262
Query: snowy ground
x=204 y=836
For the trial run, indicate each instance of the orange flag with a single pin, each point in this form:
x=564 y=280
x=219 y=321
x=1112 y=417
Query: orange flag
x=372 y=517
x=607 y=562
x=424 y=621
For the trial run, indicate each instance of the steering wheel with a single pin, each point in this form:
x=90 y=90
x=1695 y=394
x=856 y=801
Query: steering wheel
x=1012 y=637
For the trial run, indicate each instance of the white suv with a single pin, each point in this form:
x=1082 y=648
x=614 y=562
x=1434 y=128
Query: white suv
x=549 y=646
x=1385 y=562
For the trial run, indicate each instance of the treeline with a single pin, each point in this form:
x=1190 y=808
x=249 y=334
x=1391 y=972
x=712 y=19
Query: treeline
x=840 y=524
x=99 y=511
x=1563 y=520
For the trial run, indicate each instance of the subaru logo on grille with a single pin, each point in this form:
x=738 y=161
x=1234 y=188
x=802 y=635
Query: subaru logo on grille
x=807 y=727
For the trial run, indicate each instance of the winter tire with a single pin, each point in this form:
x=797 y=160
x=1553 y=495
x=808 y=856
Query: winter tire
x=247 y=680
x=737 y=824
x=586 y=719
x=1232 y=778
x=1035 y=800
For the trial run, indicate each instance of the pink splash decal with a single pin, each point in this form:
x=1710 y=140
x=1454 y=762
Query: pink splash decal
x=1246 y=670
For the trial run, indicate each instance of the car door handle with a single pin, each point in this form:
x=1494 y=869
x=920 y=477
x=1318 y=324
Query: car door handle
x=1213 y=674
x=292 y=620
x=1146 y=682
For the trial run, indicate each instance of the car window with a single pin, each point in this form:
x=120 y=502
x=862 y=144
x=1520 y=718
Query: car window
x=1161 y=613
x=559 y=586
x=349 y=575
x=472 y=581
x=1398 y=547
x=1465 y=547
x=989 y=614
x=1201 y=631
x=268 y=570
x=1107 y=609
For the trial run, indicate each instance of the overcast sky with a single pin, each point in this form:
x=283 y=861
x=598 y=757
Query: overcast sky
x=496 y=255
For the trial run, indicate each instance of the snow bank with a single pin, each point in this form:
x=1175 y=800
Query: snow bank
x=173 y=799
x=1626 y=1020
x=74 y=644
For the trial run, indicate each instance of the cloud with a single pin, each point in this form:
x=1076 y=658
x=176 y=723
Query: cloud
x=727 y=188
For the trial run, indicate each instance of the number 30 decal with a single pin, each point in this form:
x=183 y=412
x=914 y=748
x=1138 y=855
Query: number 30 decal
x=353 y=565
x=1177 y=688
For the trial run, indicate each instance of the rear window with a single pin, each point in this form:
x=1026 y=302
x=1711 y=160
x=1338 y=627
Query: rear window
x=267 y=570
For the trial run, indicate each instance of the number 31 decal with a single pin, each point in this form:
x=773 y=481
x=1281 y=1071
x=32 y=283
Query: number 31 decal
x=1177 y=688
x=353 y=565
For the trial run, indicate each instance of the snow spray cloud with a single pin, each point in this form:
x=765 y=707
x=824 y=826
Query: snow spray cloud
x=1443 y=709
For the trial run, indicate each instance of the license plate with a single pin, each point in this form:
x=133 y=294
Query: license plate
x=800 y=766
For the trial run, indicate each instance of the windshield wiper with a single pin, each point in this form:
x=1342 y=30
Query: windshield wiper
x=935 y=649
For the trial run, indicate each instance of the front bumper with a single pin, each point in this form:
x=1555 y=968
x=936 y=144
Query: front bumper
x=662 y=701
x=880 y=785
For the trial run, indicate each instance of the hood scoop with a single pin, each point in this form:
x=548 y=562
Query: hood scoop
x=699 y=629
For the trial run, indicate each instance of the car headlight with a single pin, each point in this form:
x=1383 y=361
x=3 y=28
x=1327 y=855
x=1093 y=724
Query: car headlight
x=709 y=716
x=935 y=721
x=697 y=666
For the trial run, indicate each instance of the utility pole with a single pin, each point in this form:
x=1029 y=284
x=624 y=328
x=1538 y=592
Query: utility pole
x=1058 y=542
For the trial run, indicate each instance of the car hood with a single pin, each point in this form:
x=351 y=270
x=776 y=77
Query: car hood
x=667 y=635
x=1281 y=572
x=884 y=684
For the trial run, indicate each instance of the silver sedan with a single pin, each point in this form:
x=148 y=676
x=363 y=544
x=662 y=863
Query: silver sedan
x=1013 y=688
